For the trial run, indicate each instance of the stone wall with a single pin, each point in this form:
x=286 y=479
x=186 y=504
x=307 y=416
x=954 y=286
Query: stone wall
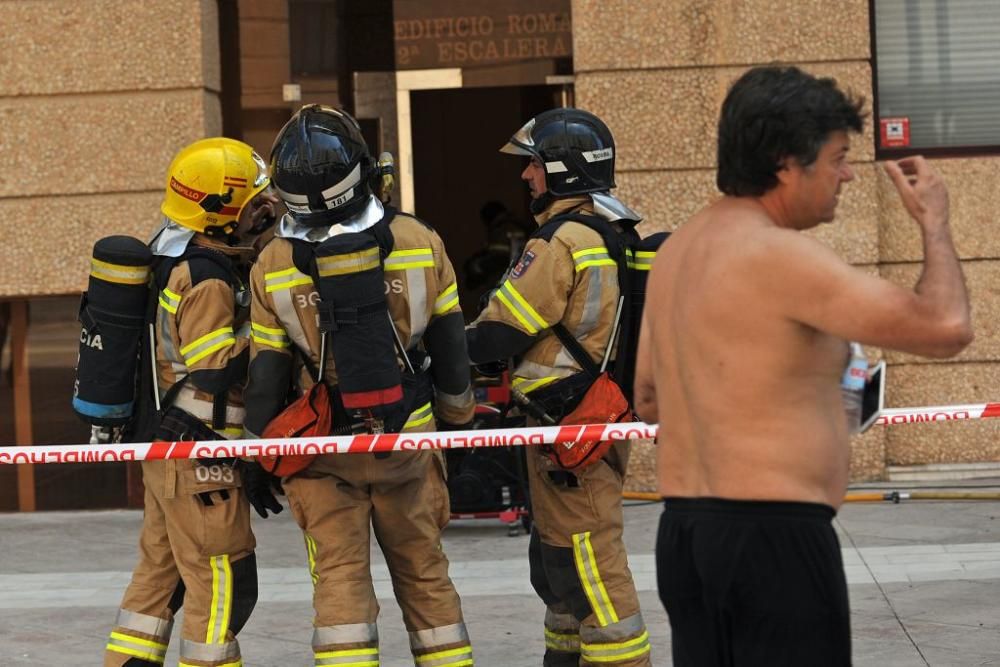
x=95 y=99
x=658 y=72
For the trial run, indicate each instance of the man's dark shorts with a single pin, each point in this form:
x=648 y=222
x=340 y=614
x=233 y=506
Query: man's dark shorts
x=752 y=583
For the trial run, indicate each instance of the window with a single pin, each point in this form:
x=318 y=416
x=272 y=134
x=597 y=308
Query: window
x=937 y=76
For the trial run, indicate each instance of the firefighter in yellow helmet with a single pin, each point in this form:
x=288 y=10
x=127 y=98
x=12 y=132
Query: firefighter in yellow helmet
x=555 y=311
x=196 y=546
x=377 y=286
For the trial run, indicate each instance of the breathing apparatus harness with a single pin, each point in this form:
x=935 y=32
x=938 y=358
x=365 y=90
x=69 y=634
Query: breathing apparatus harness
x=357 y=328
x=599 y=394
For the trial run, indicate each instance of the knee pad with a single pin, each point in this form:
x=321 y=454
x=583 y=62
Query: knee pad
x=244 y=591
x=539 y=580
x=562 y=579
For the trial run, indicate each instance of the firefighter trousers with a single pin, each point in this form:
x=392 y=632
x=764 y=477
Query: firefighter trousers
x=579 y=566
x=196 y=549
x=401 y=497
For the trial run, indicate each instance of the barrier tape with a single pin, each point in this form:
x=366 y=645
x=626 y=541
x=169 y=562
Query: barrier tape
x=347 y=444
x=402 y=442
x=942 y=413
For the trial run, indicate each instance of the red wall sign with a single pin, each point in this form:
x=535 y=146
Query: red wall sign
x=895 y=132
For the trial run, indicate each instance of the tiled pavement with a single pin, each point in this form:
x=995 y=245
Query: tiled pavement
x=936 y=600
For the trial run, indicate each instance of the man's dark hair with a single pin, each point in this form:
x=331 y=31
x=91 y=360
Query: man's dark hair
x=773 y=113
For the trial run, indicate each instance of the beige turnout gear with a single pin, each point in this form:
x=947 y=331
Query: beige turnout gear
x=201 y=330
x=189 y=552
x=579 y=566
x=196 y=547
x=402 y=496
x=569 y=279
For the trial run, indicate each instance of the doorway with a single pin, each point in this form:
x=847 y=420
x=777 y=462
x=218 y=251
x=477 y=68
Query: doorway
x=458 y=169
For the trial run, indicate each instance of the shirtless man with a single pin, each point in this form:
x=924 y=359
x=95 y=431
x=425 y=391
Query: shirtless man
x=741 y=363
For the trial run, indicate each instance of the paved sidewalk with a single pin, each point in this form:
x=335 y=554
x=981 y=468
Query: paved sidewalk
x=924 y=584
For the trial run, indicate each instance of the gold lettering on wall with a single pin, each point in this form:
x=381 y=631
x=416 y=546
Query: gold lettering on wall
x=482 y=39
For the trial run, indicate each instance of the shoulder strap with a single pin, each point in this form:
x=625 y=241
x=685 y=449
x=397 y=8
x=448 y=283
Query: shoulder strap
x=215 y=265
x=617 y=244
x=204 y=264
x=382 y=232
x=613 y=240
x=391 y=212
x=576 y=350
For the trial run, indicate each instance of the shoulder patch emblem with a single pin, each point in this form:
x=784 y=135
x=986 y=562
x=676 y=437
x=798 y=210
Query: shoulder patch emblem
x=522 y=264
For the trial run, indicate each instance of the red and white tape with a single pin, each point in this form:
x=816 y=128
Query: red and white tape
x=348 y=444
x=398 y=442
x=941 y=413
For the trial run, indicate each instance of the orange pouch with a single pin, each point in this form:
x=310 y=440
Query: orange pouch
x=604 y=403
x=309 y=415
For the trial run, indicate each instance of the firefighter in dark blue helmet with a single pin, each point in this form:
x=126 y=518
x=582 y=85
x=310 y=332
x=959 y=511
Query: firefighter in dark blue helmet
x=380 y=281
x=567 y=279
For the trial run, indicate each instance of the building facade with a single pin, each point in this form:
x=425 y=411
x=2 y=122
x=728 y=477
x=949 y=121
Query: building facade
x=97 y=96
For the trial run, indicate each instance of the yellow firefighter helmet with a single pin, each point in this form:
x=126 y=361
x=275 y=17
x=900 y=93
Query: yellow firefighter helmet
x=209 y=183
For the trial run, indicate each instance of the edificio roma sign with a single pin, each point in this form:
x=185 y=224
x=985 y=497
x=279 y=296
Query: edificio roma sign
x=431 y=34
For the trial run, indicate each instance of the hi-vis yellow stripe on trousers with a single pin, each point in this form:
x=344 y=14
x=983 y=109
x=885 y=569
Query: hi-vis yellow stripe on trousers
x=222 y=600
x=561 y=641
x=207 y=344
x=311 y=553
x=590 y=577
x=616 y=652
x=455 y=657
x=351 y=657
x=521 y=309
x=119 y=273
x=143 y=649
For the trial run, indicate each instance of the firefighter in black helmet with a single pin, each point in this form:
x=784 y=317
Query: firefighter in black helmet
x=566 y=276
x=344 y=262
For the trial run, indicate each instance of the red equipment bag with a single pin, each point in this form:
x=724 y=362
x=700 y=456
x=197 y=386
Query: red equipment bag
x=309 y=415
x=604 y=403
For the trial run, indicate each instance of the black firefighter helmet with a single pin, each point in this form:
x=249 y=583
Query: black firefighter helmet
x=574 y=146
x=321 y=166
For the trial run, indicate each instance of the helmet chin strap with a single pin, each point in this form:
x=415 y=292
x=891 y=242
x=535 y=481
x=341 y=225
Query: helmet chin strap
x=540 y=203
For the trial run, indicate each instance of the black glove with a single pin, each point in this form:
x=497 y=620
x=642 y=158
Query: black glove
x=260 y=487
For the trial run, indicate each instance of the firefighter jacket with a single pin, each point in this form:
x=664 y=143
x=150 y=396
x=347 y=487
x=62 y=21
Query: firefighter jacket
x=565 y=277
x=422 y=298
x=202 y=333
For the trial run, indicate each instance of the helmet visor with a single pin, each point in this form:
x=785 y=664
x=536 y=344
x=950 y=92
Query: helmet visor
x=260 y=182
x=262 y=177
x=522 y=143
